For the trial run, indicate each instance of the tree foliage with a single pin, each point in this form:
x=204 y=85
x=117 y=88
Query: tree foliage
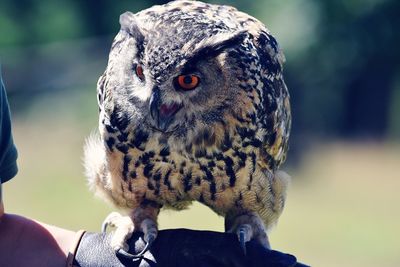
x=342 y=56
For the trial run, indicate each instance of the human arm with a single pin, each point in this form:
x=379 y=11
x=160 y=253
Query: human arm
x=26 y=242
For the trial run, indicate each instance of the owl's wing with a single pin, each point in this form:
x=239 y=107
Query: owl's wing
x=274 y=117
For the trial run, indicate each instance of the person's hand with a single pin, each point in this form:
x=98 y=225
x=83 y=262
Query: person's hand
x=181 y=248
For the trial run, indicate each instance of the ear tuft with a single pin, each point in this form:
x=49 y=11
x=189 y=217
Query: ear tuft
x=129 y=25
x=215 y=45
x=228 y=41
x=126 y=20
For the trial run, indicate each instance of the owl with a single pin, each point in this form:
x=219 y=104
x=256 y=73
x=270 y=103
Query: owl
x=192 y=107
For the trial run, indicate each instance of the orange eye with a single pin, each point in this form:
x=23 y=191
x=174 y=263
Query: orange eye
x=188 y=82
x=139 y=72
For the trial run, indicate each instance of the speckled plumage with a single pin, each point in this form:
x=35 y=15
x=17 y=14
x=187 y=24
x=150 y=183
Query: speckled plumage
x=224 y=146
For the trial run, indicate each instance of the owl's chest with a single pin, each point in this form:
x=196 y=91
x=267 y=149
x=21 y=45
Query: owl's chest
x=168 y=177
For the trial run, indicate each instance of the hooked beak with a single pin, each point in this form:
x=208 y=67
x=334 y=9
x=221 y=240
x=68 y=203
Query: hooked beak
x=162 y=114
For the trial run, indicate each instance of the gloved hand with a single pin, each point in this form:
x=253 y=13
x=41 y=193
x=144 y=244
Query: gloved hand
x=181 y=248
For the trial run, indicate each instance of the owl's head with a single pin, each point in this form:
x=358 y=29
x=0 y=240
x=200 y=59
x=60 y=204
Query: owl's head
x=181 y=68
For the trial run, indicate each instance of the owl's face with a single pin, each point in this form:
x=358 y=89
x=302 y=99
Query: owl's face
x=174 y=101
x=167 y=80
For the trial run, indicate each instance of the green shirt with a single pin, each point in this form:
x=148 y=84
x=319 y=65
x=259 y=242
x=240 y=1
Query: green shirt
x=8 y=152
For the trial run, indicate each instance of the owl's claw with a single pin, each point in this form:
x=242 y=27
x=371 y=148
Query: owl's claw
x=104 y=226
x=135 y=257
x=242 y=242
x=244 y=233
x=248 y=227
x=150 y=234
x=124 y=227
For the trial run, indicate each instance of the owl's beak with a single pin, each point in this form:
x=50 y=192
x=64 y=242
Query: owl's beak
x=161 y=113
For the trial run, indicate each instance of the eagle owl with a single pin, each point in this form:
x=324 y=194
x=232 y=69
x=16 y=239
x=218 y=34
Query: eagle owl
x=193 y=106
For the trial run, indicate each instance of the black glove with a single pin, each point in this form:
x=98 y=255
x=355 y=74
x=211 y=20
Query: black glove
x=180 y=248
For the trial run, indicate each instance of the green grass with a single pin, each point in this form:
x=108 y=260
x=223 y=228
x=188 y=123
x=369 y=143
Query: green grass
x=342 y=210
x=343 y=207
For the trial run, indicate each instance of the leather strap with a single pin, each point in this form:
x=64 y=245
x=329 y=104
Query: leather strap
x=74 y=248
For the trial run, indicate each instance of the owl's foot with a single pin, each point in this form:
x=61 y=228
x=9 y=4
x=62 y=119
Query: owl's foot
x=248 y=227
x=124 y=227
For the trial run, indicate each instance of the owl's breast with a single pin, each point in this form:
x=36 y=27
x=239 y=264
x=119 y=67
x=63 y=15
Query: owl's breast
x=220 y=175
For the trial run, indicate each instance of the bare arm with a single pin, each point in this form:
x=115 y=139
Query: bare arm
x=25 y=242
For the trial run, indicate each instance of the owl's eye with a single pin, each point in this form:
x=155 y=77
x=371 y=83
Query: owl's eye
x=187 y=82
x=139 y=72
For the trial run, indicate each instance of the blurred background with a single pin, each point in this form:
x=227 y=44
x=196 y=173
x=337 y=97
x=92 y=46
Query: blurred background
x=343 y=72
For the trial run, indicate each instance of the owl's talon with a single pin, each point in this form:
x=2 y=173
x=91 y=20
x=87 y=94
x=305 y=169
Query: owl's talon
x=124 y=228
x=247 y=227
x=149 y=239
x=244 y=233
x=135 y=257
x=242 y=242
x=149 y=229
x=104 y=226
